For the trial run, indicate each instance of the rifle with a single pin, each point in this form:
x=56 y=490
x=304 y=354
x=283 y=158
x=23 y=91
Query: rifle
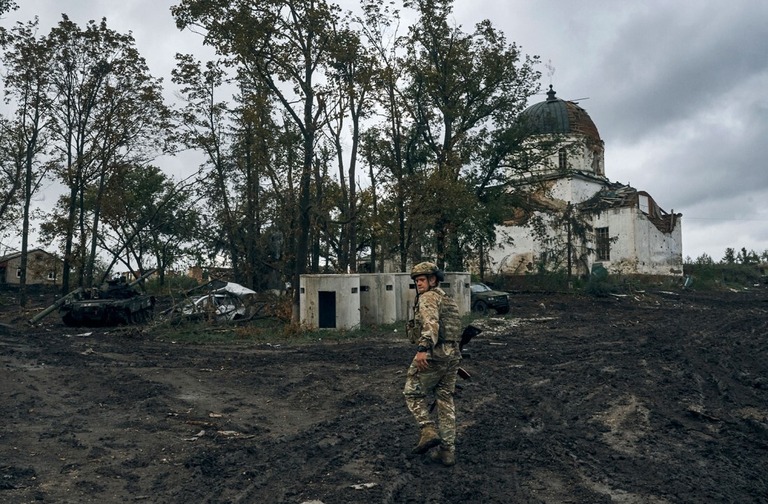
x=469 y=332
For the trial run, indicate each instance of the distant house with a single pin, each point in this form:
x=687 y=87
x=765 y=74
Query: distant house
x=43 y=268
x=204 y=274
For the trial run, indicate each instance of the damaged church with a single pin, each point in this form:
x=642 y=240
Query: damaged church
x=568 y=216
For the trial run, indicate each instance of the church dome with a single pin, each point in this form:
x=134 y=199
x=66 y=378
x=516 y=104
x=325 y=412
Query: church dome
x=555 y=116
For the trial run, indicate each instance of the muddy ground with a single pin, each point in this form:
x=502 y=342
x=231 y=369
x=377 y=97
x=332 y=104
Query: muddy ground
x=655 y=397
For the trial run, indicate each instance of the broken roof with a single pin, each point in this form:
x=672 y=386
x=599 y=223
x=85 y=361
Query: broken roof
x=617 y=195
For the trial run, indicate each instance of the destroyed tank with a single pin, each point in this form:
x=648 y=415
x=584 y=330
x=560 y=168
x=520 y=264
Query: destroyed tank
x=115 y=302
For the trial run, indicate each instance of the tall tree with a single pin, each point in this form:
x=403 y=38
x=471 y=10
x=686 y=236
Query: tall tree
x=256 y=153
x=26 y=87
x=461 y=88
x=353 y=68
x=391 y=148
x=108 y=110
x=155 y=222
x=11 y=171
x=205 y=122
x=282 y=44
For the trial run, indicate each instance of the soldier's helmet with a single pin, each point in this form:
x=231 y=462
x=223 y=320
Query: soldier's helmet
x=427 y=268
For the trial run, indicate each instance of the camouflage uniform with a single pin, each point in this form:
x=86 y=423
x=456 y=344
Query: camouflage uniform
x=436 y=327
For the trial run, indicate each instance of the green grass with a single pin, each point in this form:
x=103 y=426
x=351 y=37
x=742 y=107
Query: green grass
x=264 y=331
x=715 y=277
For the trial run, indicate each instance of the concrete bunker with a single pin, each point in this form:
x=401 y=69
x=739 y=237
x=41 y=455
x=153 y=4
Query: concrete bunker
x=346 y=301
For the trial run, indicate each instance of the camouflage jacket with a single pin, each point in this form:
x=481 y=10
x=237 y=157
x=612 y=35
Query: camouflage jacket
x=437 y=323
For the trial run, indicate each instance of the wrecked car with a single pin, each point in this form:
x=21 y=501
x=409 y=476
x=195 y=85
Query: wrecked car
x=216 y=301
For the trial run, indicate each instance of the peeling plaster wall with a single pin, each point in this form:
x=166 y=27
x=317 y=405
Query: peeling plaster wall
x=574 y=190
x=621 y=231
x=520 y=257
x=658 y=253
x=640 y=248
x=580 y=156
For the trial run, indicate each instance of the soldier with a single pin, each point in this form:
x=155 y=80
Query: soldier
x=436 y=329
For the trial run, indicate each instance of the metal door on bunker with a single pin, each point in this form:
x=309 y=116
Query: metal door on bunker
x=326 y=303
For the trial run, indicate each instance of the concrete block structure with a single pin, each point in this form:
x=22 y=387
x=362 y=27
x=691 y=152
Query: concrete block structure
x=348 y=301
x=378 y=298
x=330 y=301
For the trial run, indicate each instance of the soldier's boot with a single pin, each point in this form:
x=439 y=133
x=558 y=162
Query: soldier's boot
x=428 y=439
x=445 y=456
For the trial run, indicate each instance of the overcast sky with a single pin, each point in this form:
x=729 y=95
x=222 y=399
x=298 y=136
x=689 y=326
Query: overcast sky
x=676 y=89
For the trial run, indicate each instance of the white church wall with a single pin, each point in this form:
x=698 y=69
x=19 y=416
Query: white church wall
x=658 y=252
x=639 y=246
x=621 y=231
x=520 y=257
x=574 y=189
x=579 y=155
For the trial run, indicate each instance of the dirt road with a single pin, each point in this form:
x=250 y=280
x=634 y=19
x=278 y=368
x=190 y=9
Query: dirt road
x=649 y=398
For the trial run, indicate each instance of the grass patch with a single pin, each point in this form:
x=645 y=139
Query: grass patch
x=262 y=331
x=715 y=277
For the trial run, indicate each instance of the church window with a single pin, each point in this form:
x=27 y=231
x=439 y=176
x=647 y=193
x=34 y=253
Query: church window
x=562 y=159
x=596 y=165
x=602 y=244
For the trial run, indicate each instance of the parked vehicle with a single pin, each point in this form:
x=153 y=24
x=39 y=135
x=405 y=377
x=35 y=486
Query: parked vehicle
x=483 y=298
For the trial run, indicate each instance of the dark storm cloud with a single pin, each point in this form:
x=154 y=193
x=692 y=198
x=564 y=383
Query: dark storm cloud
x=664 y=65
x=676 y=89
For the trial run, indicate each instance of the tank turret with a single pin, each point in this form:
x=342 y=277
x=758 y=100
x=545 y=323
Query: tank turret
x=115 y=302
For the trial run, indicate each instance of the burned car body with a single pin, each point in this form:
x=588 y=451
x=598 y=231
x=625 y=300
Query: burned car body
x=216 y=301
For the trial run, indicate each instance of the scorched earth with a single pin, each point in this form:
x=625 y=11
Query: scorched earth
x=652 y=397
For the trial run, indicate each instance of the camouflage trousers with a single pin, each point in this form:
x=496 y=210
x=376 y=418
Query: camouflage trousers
x=440 y=380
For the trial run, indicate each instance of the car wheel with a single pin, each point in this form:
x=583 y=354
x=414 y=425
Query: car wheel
x=480 y=307
x=502 y=311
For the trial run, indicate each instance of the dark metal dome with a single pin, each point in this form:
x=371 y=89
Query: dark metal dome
x=555 y=116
